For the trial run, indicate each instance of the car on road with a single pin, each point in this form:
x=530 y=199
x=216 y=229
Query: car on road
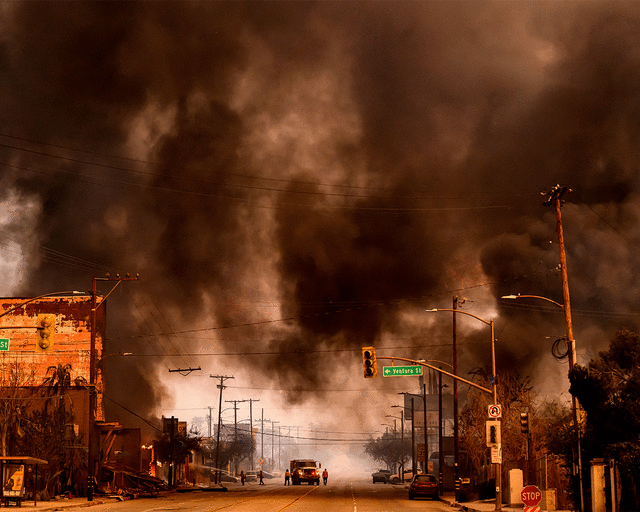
x=397 y=479
x=382 y=475
x=423 y=485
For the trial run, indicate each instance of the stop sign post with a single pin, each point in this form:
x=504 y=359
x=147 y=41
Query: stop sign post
x=531 y=497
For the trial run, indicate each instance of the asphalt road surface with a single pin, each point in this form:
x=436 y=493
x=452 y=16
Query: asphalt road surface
x=337 y=496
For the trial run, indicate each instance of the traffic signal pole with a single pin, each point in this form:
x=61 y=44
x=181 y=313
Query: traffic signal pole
x=443 y=372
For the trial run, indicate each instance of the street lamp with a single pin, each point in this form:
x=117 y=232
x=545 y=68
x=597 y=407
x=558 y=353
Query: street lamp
x=401 y=438
x=52 y=294
x=493 y=382
x=572 y=362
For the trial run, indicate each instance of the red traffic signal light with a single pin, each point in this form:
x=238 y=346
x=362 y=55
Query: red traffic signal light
x=524 y=422
x=369 y=364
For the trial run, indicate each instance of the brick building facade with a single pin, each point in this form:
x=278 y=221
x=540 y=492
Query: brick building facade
x=53 y=331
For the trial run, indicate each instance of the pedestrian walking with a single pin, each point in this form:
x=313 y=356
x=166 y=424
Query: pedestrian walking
x=286 y=477
x=242 y=477
x=325 y=476
x=261 y=482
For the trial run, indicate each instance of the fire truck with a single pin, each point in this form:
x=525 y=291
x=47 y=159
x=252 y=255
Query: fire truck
x=305 y=470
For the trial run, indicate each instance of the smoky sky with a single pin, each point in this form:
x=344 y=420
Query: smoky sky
x=338 y=165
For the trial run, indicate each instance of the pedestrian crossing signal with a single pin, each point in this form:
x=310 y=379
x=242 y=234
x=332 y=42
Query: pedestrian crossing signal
x=369 y=364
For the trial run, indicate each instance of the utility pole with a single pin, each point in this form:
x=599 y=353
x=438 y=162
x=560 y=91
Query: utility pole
x=253 y=446
x=172 y=440
x=456 y=443
x=91 y=438
x=235 y=416
x=555 y=199
x=221 y=386
x=426 y=436
x=235 y=426
x=273 y=434
x=413 y=439
x=440 y=440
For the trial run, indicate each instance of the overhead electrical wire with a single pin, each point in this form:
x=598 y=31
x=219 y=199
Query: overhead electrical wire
x=183 y=178
x=225 y=173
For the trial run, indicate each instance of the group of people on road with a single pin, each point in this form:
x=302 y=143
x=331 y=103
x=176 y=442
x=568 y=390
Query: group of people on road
x=325 y=477
x=287 y=477
x=243 y=477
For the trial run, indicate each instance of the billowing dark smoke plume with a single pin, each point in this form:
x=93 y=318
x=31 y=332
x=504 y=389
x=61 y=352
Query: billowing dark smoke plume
x=340 y=165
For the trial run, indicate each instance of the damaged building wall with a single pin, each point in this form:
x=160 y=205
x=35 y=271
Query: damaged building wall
x=54 y=332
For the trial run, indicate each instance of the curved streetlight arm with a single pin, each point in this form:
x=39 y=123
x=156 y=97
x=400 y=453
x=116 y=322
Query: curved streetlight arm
x=493 y=345
x=462 y=313
x=439 y=362
x=518 y=296
x=53 y=294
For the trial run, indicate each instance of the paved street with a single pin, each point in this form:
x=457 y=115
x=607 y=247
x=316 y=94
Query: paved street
x=341 y=496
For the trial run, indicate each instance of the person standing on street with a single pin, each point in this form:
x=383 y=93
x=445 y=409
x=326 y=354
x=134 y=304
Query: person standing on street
x=325 y=476
x=286 y=477
x=261 y=482
x=242 y=477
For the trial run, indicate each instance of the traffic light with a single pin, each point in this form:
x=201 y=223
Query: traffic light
x=369 y=364
x=524 y=422
x=493 y=433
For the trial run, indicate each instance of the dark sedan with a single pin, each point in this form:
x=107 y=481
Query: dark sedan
x=382 y=475
x=423 y=485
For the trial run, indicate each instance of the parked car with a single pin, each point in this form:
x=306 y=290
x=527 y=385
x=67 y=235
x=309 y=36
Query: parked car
x=226 y=477
x=423 y=485
x=382 y=475
x=397 y=479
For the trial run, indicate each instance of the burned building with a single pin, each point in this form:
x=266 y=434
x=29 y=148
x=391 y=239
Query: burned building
x=46 y=364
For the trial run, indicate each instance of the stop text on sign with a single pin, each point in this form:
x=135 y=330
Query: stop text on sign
x=531 y=495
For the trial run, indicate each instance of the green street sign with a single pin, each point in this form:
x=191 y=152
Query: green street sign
x=4 y=344
x=401 y=371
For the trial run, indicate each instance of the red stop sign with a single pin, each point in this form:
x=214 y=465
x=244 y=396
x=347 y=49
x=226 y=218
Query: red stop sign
x=531 y=496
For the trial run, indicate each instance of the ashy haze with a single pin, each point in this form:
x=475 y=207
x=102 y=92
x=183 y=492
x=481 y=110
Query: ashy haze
x=296 y=180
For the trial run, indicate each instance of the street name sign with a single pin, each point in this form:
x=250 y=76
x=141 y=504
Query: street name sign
x=401 y=371
x=4 y=344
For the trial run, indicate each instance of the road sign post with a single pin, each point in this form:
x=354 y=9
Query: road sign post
x=401 y=371
x=531 y=497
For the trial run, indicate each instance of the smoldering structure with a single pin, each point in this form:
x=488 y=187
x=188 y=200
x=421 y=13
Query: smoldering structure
x=303 y=179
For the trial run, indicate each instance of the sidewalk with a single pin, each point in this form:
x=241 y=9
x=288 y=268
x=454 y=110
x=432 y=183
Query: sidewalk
x=481 y=506
x=69 y=503
x=476 y=506
x=58 y=504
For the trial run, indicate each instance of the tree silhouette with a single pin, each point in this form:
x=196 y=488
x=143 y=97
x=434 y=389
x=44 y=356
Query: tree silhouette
x=608 y=389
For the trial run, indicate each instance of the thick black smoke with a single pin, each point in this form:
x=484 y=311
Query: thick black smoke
x=341 y=165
